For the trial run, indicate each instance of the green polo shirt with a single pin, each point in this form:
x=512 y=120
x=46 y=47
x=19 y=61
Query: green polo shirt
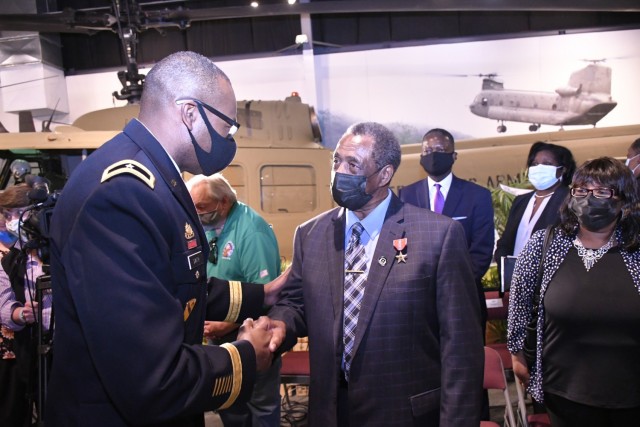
x=247 y=248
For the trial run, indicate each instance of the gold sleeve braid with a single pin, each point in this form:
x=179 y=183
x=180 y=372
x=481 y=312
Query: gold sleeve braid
x=235 y=301
x=231 y=382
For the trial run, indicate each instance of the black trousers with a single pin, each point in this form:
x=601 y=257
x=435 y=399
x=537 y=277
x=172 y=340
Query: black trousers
x=566 y=413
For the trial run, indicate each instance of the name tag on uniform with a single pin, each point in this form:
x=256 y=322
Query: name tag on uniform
x=195 y=260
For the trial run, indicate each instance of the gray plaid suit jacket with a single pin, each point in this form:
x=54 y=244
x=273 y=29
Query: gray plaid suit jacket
x=418 y=352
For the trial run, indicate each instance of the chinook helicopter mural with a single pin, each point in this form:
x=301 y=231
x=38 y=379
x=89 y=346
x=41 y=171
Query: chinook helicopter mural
x=585 y=100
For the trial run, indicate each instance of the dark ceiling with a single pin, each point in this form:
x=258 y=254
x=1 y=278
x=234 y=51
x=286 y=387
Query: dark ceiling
x=231 y=28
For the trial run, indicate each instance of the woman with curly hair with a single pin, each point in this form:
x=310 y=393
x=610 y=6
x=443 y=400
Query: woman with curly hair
x=586 y=368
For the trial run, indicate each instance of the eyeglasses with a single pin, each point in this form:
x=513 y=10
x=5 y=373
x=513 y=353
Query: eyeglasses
x=429 y=150
x=598 y=193
x=228 y=120
x=213 y=250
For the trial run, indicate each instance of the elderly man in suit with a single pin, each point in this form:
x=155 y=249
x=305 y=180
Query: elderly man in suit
x=384 y=290
x=462 y=200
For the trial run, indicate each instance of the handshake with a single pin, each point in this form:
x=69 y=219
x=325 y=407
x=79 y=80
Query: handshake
x=266 y=335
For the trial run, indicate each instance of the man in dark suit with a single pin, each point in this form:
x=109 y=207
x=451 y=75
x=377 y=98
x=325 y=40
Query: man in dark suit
x=128 y=267
x=384 y=291
x=467 y=203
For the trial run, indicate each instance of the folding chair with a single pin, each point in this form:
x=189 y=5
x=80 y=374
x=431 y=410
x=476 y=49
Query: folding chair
x=494 y=378
x=294 y=371
x=529 y=420
x=497 y=309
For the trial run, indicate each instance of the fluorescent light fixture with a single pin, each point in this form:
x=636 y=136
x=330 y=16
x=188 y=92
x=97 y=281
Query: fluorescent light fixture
x=302 y=39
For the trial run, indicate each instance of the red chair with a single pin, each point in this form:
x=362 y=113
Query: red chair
x=494 y=378
x=294 y=371
x=529 y=420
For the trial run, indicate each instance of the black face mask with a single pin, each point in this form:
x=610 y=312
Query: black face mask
x=349 y=191
x=223 y=150
x=594 y=214
x=436 y=163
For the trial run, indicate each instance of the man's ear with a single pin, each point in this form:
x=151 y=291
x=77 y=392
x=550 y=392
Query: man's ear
x=188 y=113
x=386 y=173
x=455 y=156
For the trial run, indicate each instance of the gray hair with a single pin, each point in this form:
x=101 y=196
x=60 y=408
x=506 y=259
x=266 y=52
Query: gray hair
x=386 y=148
x=217 y=185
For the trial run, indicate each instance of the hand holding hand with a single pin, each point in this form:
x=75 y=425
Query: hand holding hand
x=272 y=289
x=279 y=332
x=257 y=332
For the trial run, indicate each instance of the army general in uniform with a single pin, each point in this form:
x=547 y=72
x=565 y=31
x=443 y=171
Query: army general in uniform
x=129 y=268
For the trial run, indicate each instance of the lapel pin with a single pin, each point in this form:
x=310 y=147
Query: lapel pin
x=382 y=261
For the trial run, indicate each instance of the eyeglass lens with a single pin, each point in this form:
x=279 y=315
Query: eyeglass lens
x=598 y=193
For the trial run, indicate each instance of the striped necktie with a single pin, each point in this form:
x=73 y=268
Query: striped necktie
x=354 y=278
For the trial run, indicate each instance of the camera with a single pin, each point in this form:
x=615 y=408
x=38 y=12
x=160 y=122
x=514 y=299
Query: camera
x=36 y=226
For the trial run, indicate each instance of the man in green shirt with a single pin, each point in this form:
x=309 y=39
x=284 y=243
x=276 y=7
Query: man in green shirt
x=243 y=248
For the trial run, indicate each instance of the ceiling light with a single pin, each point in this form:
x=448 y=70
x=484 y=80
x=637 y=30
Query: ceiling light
x=254 y=4
x=291 y=1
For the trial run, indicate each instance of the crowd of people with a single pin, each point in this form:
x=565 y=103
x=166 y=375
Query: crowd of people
x=387 y=287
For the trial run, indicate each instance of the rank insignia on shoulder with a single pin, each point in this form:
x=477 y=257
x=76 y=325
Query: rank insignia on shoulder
x=131 y=167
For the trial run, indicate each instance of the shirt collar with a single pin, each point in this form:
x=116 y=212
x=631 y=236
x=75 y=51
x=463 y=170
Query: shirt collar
x=372 y=223
x=165 y=150
x=445 y=184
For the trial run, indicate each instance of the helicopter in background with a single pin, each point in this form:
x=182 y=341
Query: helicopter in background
x=584 y=101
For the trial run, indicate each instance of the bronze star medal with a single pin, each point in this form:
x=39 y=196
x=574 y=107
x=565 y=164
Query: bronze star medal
x=401 y=245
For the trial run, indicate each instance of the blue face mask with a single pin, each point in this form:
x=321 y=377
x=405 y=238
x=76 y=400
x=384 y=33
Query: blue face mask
x=223 y=150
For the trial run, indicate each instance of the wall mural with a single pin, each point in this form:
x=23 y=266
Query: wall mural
x=483 y=89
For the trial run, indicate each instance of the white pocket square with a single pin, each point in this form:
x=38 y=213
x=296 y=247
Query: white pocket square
x=458 y=218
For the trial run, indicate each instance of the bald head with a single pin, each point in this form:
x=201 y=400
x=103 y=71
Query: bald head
x=171 y=108
x=182 y=75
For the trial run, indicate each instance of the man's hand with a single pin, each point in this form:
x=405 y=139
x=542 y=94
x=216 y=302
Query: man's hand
x=279 y=331
x=272 y=289
x=257 y=332
x=215 y=330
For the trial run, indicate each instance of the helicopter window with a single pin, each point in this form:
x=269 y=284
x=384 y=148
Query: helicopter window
x=484 y=102
x=235 y=176
x=501 y=103
x=287 y=189
x=554 y=107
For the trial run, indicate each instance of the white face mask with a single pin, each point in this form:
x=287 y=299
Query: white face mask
x=12 y=226
x=628 y=162
x=543 y=176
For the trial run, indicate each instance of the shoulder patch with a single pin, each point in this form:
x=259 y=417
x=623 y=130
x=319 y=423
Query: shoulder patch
x=131 y=167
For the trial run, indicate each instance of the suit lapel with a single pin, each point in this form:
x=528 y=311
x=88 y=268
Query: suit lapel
x=335 y=266
x=454 y=197
x=392 y=229
x=423 y=195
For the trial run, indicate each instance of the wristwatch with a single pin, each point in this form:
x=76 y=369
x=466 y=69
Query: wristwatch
x=24 y=319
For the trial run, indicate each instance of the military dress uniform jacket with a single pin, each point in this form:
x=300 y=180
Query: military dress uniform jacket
x=128 y=263
x=418 y=357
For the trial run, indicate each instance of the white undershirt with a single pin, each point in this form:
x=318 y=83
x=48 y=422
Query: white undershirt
x=527 y=223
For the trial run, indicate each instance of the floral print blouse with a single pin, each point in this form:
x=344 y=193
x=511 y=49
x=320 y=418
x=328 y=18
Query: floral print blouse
x=523 y=285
